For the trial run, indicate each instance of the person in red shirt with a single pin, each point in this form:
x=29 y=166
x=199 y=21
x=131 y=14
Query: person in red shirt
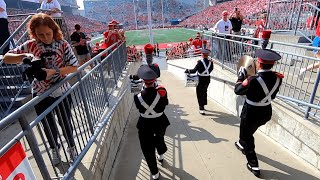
x=112 y=35
x=197 y=44
x=261 y=24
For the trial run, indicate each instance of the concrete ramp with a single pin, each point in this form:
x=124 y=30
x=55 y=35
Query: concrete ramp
x=202 y=147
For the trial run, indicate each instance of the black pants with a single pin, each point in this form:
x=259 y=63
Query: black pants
x=248 y=127
x=63 y=112
x=201 y=91
x=150 y=140
x=4 y=34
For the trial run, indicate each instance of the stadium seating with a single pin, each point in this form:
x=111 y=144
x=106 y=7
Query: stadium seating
x=212 y=14
x=88 y=25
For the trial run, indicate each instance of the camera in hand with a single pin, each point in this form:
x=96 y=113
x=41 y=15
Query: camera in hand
x=34 y=70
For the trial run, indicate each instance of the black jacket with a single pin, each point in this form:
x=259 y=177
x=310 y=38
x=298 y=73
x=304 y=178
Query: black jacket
x=148 y=95
x=200 y=68
x=254 y=92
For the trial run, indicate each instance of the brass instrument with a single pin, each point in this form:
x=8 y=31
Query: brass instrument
x=249 y=64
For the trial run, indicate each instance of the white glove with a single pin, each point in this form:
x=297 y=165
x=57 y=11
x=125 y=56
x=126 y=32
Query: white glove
x=242 y=73
x=302 y=73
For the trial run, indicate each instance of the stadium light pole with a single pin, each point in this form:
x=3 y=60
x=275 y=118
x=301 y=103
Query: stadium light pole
x=162 y=14
x=135 y=14
x=150 y=21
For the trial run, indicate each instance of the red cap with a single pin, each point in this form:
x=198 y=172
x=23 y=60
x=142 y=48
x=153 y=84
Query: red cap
x=225 y=13
x=113 y=22
x=148 y=49
x=190 y=39
x=204 y=41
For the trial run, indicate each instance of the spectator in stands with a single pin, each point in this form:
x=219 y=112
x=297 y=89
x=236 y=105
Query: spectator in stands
x=158 y=49
x=236 y=19
x=4 y=32
x=79 y=41
x=51 y=7
x=47 y=44
x=261 y=25
x=224 y=25
x=95 y=50
x=112 y=35
x=197 y=43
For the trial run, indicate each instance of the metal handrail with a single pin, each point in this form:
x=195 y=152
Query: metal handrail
x=99 y=128
x=24 y=108
x=308 y=94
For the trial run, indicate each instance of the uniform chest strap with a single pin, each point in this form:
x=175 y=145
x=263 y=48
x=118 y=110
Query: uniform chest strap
x=150 y=113
x=267 y=100
x=206 y=69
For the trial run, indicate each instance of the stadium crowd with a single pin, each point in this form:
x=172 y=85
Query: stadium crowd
x=88 y=25
x=212 y=14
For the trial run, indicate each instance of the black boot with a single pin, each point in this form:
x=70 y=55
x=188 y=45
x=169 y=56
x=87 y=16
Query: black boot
x=254 y=169
x=201 y=110
x=240 y=147
x=253 y=164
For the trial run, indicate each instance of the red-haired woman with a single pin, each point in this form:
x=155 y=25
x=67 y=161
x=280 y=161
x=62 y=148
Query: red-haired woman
x=48 y=45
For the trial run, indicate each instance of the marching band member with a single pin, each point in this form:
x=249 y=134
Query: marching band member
x=204 y=68
x=257 y=111
x=148 y=49
x=152 y=123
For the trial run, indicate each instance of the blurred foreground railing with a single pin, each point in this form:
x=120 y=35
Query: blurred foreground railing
x=78 y=112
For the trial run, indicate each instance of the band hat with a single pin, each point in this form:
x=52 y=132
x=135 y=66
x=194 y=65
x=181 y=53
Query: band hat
x=267 y=56
x=205 y=51
x=148 y=49
x=146 y=73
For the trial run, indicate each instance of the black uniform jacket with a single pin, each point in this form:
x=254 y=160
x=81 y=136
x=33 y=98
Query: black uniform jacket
x=154 y=67
x=200 y=68
x=148 y=95
x=254 y=92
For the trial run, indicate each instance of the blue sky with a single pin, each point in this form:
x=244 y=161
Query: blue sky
x=80 y=3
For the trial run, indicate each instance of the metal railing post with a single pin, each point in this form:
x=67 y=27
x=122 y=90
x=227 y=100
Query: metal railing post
x=299 y=13
x=86 y=108
x=292 y=13
x=269 y=15
x=34 y=147
x=313 y=94
x=103 y=84
x=119 y=60
x=114 y=72
x=223 y=50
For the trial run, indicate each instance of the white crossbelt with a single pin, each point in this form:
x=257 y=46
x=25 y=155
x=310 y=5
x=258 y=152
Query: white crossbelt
x=150 y=113
x=267 y=100
x=206 y=69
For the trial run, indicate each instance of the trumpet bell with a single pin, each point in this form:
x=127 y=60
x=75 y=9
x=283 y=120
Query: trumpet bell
x=249 y=64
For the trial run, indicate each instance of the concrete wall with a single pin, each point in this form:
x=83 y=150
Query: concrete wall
x=287 y=126
x=100 y=158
